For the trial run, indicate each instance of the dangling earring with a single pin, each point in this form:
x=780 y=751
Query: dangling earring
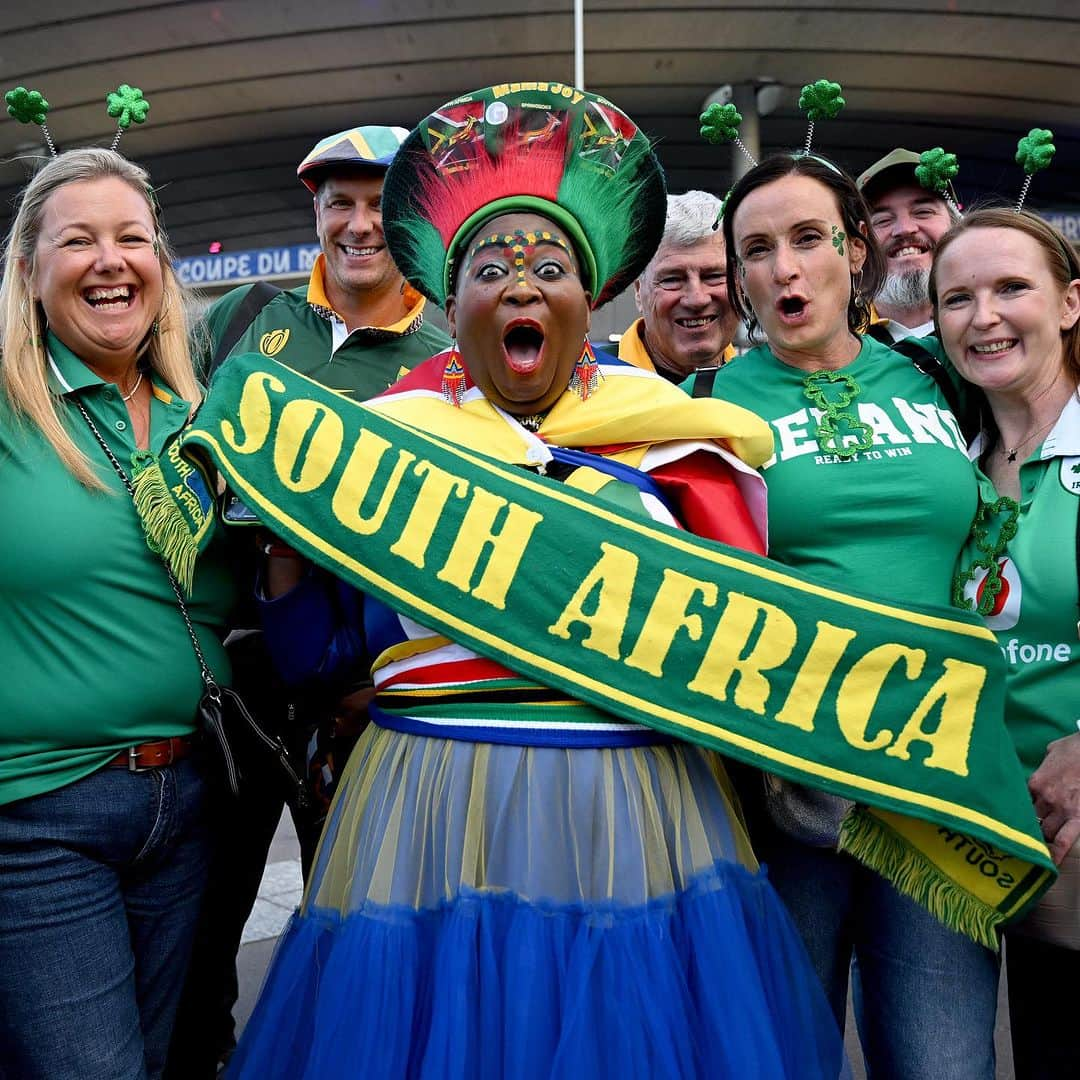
x=453 y=378
x=154 y=328
x=862 y=308
x=856 y=288
x=586 y=374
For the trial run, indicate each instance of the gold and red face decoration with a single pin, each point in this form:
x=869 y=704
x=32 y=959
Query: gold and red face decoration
x=519 y=245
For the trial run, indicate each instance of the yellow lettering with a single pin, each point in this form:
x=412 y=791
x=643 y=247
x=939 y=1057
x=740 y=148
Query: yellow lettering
x=723 y=659
x=859 y=692
x=181 y=466
x=435 y=489
x=307 y=445
x=667 y=616
x=501 y=90
x=959 y=686
x=253 y=413
x=612 y=579
x=477 y=533
x=355 y=484
x=813 y=676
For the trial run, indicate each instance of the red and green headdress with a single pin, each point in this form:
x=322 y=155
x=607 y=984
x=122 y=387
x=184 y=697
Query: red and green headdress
x=537 y=147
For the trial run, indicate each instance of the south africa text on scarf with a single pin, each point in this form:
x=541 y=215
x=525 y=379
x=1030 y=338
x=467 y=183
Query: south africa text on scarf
x=900 y=710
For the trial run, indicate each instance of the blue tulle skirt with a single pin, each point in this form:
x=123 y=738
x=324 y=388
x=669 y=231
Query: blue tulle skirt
x=481 y=911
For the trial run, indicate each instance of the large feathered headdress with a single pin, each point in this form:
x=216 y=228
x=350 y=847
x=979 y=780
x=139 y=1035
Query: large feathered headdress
x=536 y=147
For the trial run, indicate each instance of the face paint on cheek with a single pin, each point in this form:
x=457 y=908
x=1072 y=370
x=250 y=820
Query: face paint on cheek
x=838 y=238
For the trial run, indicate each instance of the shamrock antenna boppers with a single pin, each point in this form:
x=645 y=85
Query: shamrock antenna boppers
x=820 y=100
x=936 y=171
x=1034 y=152
x=126 y=105
x=30 y=107
x=720 y=124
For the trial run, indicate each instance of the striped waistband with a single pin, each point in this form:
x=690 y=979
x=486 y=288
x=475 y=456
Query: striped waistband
x=519 y=732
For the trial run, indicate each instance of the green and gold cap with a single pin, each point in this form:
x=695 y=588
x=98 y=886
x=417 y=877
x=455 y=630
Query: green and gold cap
x=370 y=147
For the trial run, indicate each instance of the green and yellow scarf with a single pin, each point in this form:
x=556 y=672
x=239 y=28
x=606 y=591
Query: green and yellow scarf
x=900 y=710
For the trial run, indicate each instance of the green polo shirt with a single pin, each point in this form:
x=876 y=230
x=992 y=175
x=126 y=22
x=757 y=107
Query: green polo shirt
x=300 y=329
x=96 y=655
x=1035 y=614
x=888 y=521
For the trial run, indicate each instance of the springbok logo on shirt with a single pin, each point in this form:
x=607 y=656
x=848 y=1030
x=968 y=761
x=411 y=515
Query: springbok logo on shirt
x=1006 y=610
x=273 y=341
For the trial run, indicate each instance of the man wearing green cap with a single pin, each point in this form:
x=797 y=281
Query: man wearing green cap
x=908 y=221
x=356 y=327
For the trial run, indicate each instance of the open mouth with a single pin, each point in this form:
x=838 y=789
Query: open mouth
x=359 y=252
x=112 y=298
x=523 y=345
x=792 y=308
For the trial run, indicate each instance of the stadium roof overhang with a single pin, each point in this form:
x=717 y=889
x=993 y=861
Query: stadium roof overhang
x=240 y=89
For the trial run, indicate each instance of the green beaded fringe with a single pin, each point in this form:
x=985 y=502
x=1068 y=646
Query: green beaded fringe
x=167 y=531
x=873 y=843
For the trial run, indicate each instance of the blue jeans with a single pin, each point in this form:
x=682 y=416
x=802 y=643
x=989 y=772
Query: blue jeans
x=100 y=885
x=925 y=996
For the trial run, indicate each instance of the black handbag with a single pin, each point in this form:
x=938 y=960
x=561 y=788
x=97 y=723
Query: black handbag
x=221 y=714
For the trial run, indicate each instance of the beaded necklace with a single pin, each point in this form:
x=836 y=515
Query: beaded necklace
x=532 y=423
x=834 y=420
x=990 y=552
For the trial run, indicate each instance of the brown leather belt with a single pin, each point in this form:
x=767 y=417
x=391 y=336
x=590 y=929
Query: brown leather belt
x=154 y=755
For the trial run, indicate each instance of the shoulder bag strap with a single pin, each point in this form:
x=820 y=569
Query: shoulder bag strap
x=259 y=295
x=215 y=697
x=704 y=381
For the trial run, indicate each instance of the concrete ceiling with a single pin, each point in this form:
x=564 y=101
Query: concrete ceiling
x=240 y=89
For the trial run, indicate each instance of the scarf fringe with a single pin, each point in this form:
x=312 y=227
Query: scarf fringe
x=877 y=846
x=167 y=532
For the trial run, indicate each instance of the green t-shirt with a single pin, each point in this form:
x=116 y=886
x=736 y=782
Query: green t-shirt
x=96 y=655
x=1035 y=614
x=301 y=335
x=888 y=521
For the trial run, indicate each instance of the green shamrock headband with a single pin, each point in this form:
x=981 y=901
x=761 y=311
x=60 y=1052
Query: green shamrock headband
x=937 y=169
x=125 y=104
x=820 y=100
x=1034 y=152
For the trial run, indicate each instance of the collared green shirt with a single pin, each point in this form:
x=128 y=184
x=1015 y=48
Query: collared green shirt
x=1035 y=614
x=96 y=655
x=300 y=329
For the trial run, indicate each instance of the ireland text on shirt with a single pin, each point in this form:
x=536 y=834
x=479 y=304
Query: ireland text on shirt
x=895 y=428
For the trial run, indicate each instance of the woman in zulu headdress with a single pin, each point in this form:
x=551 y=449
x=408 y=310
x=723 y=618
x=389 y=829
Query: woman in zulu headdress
x=513 y=882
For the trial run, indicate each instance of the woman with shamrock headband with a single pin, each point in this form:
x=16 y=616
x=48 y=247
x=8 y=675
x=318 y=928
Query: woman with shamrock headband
x=870 y=489
x=104 y=838
x=512 y=883
x=1006 y=293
